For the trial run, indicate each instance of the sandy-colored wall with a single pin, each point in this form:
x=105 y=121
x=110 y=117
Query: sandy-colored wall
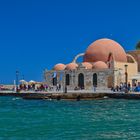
x=136 y=55
x=132 y=69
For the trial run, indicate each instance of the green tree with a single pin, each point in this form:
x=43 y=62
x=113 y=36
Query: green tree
x=138 y=46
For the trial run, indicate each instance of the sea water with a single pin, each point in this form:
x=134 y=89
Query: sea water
x=108 y=119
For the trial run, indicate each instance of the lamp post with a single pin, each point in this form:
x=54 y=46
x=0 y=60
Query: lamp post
x=126 y=74
x=23 y=77
x=17 y=75
x=65 y=85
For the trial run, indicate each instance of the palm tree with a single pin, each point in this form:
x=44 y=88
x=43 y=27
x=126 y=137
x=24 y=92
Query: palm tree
x=138 y=46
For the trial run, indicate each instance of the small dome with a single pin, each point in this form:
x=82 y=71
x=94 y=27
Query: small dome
x=59 y=67
x=100 y=65
x=71 y=66
x=87 y=65
x=100 y=50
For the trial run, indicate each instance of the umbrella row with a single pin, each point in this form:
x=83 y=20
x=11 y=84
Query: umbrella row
x=30 y=82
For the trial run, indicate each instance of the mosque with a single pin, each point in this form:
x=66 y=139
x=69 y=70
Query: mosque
x=105 y=64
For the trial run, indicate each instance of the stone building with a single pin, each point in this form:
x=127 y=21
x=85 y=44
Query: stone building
x=105 y=64
x=136 y=55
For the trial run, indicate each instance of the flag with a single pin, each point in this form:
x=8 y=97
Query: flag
x=54 y=75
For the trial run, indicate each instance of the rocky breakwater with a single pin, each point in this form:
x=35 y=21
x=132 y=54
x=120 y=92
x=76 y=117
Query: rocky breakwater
x=66 y=96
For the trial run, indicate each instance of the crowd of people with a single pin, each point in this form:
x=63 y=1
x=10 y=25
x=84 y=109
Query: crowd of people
x=33 y=86
x=38 y=87
x=123 y=87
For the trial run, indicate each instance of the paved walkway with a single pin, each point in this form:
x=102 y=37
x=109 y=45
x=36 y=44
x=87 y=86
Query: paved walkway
x=70 y=91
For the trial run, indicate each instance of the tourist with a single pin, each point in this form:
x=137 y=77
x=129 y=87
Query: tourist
x=59 y=86
x=134 y=86
x=36 y=88
x=42 y=87
x=65 y=89
x=33 y=86
x=117 y=88
x=46 y=87
x=121 y=86
x=29 y=87
x=129 y=86
x=112 y=88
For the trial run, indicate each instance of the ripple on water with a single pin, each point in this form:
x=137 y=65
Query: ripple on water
x=43 y=119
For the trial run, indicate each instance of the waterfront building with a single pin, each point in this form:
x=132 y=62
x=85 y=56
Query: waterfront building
x=136 y=55
x=105 y=65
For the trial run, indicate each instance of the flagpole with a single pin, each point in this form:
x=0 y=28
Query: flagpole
x=17 y=74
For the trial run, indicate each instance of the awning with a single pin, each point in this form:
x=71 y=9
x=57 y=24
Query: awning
x=136 y=77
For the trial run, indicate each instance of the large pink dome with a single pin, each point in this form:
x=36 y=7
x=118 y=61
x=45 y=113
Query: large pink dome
x=100 y=50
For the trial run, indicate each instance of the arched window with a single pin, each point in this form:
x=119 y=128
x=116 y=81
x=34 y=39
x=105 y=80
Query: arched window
x=67 y=79
x=81 y=81
x=94 y=79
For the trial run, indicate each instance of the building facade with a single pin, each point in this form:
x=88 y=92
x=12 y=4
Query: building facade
x=105 y=65
x=136 y=55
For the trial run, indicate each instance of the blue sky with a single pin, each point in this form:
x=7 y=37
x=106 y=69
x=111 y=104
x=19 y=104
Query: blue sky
x=37 y=34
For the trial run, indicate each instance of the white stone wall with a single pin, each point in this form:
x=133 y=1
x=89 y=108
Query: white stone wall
x=102 y=76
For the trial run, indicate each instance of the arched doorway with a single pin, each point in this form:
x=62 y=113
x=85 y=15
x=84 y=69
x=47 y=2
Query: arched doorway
x=81 y=81
x=54 y=80
x=67 y=79
x=94 y=79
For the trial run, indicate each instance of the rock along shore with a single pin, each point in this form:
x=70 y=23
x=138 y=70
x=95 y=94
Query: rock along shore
x=72 y=95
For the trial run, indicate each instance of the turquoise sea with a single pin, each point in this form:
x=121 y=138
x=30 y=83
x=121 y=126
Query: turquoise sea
x=108 y=119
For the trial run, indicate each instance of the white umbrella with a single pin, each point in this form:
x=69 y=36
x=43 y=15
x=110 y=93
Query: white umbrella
x=137 y=77
x=23 y=81
x=31 y=81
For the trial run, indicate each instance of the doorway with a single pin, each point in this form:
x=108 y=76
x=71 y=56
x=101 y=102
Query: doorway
x=81 y=81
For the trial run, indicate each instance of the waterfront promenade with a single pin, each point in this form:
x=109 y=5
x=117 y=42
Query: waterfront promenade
x=72 y=95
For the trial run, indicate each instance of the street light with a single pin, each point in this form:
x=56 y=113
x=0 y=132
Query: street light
x=17 y=75
x=23 y=77
x=126 y=74
x=65 y=84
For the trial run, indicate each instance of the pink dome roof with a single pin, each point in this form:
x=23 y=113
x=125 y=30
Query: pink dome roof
x=100 y=50
x=59 y=67
x=71 y=66
x=100 y=65
x=87 y=65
